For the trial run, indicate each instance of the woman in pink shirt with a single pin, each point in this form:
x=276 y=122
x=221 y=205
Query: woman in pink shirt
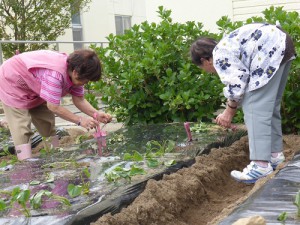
x=32 y=85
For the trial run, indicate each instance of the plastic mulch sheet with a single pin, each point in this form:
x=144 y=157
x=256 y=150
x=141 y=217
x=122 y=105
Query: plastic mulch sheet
x=105 y=193
x=274 y=198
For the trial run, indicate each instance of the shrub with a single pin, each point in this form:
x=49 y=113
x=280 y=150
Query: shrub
x=149 y=77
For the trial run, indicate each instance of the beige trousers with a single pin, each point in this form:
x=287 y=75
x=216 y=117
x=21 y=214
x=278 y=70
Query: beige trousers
x=19 y=122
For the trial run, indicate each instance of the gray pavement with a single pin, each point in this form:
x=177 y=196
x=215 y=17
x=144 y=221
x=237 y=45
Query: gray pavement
x=67 y=103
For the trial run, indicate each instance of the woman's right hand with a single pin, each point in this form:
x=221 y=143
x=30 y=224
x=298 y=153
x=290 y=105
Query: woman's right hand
x=224 y=119
x=89 y=123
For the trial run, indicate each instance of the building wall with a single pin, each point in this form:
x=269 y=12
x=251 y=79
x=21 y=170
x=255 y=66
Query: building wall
x=243 y=9
x=99 y=21
x=206 y=12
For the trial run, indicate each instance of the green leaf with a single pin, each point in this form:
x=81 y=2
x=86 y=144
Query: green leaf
x=112 y=176
x=135 y=170
x=74 y=190
x=86 y=172
x=36 y=199
x=152 y=163
x=50 y=178
x=127 y=157
x=137 y=156
x=282 y=217
x=171 y=146
x=170 y=163
x=34 y=182
x=297 y=202
x=2 y=205
x=3 y=164
x=23 y=197
x=61 y=199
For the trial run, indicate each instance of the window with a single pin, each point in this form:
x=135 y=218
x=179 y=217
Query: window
x=76 y=20
x=77 y=36
x=77 y=31
x=122 y=23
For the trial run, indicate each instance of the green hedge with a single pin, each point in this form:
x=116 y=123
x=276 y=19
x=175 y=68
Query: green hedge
x=149 y=77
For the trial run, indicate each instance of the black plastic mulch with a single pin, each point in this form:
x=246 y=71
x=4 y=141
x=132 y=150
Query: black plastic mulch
x=275 y=197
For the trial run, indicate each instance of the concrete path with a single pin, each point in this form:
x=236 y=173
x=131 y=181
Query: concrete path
x=66 y=102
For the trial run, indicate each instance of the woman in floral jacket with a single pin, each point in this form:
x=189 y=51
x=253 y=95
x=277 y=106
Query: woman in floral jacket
x=253 y=62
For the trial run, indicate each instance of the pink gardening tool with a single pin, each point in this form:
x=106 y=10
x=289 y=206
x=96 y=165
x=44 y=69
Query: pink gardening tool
x=188 y=131
x=100 y=137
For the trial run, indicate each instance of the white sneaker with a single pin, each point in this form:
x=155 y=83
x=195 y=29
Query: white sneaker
x=275 y=161
x=251 y=173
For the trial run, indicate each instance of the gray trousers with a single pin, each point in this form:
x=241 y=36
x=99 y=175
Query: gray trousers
x=262 y=116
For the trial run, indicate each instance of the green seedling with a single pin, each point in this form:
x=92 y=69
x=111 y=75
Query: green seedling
x=5 y=134
x=61 y=165
x=81 y=138
x=116 y=138
x=49 y=179
x=156 y=149
x=36 y=199
x=35 y=182
x=136 y=156
x=152 y=163
x=25 y=202
x=83 y=187
x=5 y=151
x=74 y=190
x=85 y=184
x=11 y=158
x=125 y=173
x=170 y=162
x=282 y=217
x=48 y=147
x=297 y=203
x=200 y=128
x=21 y=197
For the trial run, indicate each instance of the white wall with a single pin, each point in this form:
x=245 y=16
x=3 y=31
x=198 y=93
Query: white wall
x=243 y=9
x=208 y=12
x=99 y=21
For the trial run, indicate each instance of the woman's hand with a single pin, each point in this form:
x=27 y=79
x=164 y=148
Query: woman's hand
x=88 y=123
x=103 y=117
x=224 y=119
x=84 y=106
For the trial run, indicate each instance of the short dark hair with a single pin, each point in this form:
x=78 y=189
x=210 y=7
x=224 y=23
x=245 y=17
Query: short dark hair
x=86 y=63
x=202 y=48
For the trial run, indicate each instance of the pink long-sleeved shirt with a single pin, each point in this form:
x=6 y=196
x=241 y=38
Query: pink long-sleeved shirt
x=32 y=78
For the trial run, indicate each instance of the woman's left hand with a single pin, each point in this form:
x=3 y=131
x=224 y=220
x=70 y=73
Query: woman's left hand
x=103 y=117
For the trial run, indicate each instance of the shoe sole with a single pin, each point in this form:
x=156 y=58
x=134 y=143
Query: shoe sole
x=246 y=181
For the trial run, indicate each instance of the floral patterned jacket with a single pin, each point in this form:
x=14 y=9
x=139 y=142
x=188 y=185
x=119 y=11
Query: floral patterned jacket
x=247 y=58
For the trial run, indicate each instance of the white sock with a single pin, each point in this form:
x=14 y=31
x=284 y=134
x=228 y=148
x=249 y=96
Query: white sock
x=263 y=164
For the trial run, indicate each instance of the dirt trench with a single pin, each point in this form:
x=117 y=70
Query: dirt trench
x=202 y=194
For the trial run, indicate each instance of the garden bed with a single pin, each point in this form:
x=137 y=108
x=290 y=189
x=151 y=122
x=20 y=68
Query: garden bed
x=95 y=185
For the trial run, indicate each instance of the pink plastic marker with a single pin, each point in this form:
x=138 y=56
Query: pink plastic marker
x=100 y=137
x=188 y=130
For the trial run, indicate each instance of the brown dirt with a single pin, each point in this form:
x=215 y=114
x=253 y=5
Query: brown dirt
x=202 y=194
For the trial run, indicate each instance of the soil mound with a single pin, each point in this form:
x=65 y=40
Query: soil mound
x=201 y=194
